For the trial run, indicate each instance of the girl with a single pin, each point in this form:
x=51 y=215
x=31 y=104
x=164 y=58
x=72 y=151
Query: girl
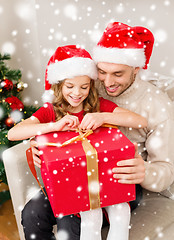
x=72 y=102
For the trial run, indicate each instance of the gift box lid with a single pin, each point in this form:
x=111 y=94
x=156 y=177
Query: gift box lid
x=104 y=140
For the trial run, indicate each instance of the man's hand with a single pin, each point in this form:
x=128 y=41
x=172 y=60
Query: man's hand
x=35 y=153
x=91 y=121
x=131 y=171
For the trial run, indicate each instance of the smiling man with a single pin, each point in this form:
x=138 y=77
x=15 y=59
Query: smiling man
x=120 y=54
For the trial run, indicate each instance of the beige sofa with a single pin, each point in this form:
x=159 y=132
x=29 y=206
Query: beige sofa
x=152 y=220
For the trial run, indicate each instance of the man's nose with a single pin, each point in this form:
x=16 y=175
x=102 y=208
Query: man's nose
x=108 y=80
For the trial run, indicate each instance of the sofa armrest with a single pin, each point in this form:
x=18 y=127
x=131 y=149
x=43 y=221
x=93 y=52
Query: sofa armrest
x=22 y=184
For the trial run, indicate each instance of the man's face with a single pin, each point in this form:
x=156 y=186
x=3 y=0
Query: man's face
x=116 y=78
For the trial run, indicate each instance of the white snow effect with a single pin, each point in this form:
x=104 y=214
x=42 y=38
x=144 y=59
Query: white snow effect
x=162 y=64
x=79 y=188
x=24 y=11
x=143 y=19
x=70 y=159
x=89 y=173
x=25 y=141
x=151 y=23
x=120 y=8
x=70 y=11
x=39 y=133
x=27 y=31
x=1 y=9
x=83 y=163
x=62 y=234
x=20 y=207
x=16 y=115
x=29 y=75
x=8 y=47
x=152 y=7
x=166 y=3
x=33 y=236
x=14 y=33
x=94 y=187
x=55 y=135
x=89 y=153
x=37 y=6
x=54 y=171
x=56 y=11
x=32 y=192
x=109 y=171
x=97 y=144
x=74 y=36
x=50 y=37
x=160 y=35
x=154 y=186
x=89 y=9
x=95 y=35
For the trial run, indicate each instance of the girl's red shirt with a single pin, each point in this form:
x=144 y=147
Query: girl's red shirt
x=46 y=113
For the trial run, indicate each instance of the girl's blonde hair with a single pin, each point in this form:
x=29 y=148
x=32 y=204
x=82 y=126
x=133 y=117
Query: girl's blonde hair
x=61 y=106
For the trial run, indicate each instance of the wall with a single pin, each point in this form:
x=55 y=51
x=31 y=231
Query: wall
x=32 y=29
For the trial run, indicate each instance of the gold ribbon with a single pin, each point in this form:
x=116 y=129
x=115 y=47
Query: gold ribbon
x=92 y=164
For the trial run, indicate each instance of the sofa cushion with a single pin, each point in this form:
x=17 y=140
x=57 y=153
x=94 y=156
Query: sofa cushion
x=152 y=220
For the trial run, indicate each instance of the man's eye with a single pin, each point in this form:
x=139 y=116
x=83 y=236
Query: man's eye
x=102 y=72
x=118 y=75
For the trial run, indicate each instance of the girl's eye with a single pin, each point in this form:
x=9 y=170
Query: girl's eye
x=69 y=86
x=84 y=87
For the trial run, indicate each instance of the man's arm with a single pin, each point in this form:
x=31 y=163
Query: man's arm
x=160 y=160
x=157 y=173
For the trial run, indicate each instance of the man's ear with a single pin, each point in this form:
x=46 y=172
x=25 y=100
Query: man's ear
x=136 y=70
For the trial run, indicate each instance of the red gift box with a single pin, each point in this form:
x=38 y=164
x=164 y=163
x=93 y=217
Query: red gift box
x=78 y=180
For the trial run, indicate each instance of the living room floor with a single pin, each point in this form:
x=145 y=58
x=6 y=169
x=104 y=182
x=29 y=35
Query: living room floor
x=8 y=226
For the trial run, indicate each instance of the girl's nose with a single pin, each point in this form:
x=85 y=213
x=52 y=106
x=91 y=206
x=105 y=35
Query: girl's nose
x=76 y=91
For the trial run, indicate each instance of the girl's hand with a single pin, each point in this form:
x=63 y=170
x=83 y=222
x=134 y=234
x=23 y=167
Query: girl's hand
x=35 y=153
x=66 y=123
x=91 y=121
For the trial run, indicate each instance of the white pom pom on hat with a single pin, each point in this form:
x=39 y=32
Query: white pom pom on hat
x=67 y=62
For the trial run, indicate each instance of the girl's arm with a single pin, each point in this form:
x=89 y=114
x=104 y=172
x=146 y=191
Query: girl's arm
x=120 y=116
x=31 y=127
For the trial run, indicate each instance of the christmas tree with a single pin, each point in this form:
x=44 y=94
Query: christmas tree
x=12 y=110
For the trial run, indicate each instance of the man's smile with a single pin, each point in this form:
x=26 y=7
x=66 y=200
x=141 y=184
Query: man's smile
x=112 y=89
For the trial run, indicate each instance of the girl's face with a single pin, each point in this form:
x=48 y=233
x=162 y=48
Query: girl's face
x=75 y=91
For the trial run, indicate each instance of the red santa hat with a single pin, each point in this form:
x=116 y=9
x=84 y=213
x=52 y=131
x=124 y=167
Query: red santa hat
x=67 y=62
x=123 y=44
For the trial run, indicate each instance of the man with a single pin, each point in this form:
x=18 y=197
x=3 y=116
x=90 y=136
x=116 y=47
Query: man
x=120 y=54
